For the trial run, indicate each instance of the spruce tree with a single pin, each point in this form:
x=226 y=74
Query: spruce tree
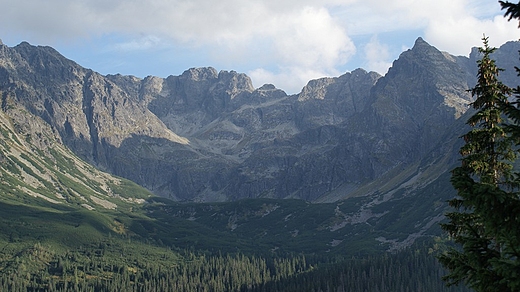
x=513 y=109
x=512 y=10
x=485 y=223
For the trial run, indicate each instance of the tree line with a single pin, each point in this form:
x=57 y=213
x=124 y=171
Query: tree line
x=413 y=269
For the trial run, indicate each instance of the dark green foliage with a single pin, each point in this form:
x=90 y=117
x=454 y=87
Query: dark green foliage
x=414 y=269
x=70 y=249
x=93 y=268
x=286 y=226
x=512 y=10
x=488 y=151
x=485 y=221
x=513 y=108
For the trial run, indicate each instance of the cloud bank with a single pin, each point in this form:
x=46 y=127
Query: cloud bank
x=281 y=42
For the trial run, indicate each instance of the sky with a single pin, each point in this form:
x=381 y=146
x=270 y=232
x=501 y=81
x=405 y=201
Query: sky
x=281 y=42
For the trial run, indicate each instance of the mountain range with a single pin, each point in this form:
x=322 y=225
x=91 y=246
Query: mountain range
x=210 y=136
x=371 y=150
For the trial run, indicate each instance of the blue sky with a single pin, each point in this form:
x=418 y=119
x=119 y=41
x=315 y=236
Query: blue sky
x=286 y=43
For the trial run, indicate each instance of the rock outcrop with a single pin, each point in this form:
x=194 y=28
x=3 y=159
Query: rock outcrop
x=208 y=135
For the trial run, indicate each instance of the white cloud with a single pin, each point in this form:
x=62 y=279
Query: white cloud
x=455 y=25
x=289 y=79
x=311 y=38
x=140 y=44
x=377 y=56
x=282 y=42
x=457 y=36
x=306 y=44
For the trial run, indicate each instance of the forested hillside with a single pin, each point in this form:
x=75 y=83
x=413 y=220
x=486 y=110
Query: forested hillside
x=114 y=265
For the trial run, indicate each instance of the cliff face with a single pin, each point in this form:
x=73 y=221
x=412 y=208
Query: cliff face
x=208 y=135
x=36 y=168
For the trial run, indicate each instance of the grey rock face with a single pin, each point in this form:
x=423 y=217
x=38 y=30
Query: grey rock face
x=208 y=135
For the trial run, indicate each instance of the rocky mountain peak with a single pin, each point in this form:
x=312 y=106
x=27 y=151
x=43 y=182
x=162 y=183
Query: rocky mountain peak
x=475 y=54
x=269 y=90
x=446 y=86
x=423 y=50
x=41 y=53
x=234 y=83
x=422 y=55
x=316 y=89
x=360 y=72
x=200 y=74
x=266 y=87
x=210 y=135
x=330 y=87
x=420 y=42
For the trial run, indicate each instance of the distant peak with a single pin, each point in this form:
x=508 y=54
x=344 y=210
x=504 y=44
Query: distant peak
x=359 y=71
x=24 y=44
x=223 y=74
x=421 y=47
x=267 y=87
x=419 y=42
x=203 y=73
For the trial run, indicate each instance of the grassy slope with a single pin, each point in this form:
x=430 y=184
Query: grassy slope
x=52 y=200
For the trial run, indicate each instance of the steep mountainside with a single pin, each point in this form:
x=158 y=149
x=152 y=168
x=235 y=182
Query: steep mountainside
x=352 y=166
x=36 y=168
x=210 y=136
